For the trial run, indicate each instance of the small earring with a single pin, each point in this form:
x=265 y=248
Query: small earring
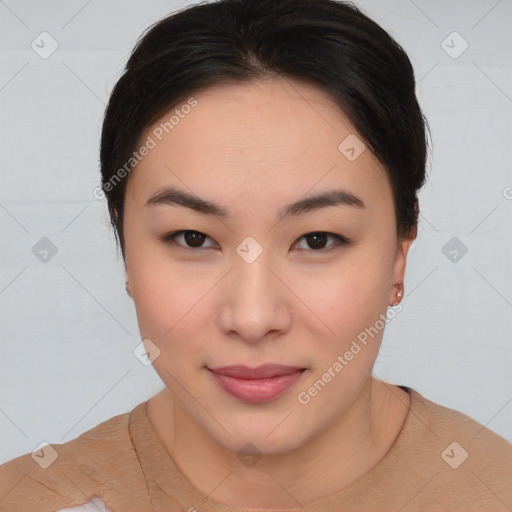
x=400 y=293
x=127 y=289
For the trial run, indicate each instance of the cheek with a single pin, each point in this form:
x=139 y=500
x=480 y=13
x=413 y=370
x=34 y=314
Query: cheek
x=172 y=315
x=158 y=291
x=348 y=303
x=351 y=305
x=166 y=301
x=173 y=303
x=351 y=288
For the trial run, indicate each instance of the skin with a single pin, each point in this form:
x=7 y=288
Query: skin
x=253 y=148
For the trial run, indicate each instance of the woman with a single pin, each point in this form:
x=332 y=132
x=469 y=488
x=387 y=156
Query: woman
x=261 y=162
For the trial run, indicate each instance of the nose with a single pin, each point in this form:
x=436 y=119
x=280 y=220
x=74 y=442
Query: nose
x=256 y=304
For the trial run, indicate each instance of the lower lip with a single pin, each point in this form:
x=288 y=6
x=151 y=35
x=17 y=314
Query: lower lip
x=256 y=390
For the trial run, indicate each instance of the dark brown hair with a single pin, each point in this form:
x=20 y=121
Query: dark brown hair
x=329 y=43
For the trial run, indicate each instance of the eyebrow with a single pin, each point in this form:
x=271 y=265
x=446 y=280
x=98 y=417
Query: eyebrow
x=173 y=196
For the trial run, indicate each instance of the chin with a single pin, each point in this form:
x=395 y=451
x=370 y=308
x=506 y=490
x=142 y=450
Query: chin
x=262 y=446
x=264 y=439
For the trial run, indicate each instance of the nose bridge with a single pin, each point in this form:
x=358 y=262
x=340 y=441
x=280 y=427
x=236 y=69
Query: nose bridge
x=252 y=273
x=255 y=302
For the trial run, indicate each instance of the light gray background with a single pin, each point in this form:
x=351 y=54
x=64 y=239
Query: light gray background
x=68 y=330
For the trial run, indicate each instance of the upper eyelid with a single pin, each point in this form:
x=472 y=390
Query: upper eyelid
x=168 y=237
x=339 y=239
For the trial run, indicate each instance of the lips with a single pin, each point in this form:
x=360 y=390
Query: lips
x=256 y=385
x=260 y=372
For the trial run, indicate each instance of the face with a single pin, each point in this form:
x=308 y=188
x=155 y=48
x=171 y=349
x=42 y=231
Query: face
x=257 y=281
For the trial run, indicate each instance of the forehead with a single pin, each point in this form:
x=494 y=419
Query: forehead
x=269 y=137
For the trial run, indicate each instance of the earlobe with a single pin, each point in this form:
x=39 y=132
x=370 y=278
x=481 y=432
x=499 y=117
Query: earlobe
x=398 y=292
x=398 y=295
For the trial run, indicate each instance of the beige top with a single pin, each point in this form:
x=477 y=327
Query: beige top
x=442 y=460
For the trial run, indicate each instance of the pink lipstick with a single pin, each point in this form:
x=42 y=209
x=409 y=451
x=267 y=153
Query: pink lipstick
x=256 y=385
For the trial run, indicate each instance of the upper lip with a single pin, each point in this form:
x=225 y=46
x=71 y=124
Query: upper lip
x=260 y=372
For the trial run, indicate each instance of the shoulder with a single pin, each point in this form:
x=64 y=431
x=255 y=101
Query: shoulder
x=445 y=423
x=461 y=463
x=100 y=462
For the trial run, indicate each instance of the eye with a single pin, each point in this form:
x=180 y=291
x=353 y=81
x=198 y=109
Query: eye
x=316 y=240
x=194 y=238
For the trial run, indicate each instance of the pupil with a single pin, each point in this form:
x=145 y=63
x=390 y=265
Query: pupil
x=316 y=236
x=192 y=236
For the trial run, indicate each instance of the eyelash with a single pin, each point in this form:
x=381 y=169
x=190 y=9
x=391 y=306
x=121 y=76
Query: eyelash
x=340 y=240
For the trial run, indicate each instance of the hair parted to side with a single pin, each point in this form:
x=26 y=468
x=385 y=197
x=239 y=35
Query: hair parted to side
x=329 y=43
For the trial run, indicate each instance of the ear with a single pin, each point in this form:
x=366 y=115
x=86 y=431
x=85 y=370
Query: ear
x=402 y=251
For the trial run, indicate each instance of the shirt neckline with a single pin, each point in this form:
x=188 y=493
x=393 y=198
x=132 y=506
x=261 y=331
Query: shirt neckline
x=163 y=475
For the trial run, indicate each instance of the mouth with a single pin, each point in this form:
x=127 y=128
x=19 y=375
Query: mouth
x=256 y=385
